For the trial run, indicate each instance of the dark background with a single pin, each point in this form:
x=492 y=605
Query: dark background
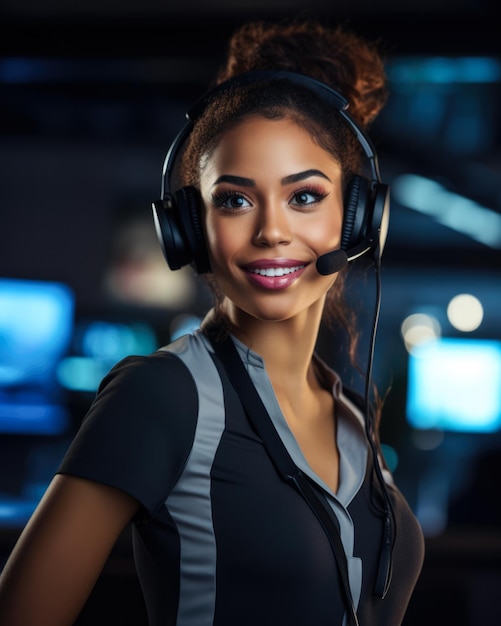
x=91 y=95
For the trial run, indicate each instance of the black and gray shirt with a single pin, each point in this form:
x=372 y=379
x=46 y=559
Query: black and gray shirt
x=221 y=539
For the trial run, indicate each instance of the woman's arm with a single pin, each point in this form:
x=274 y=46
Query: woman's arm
x=62 y=551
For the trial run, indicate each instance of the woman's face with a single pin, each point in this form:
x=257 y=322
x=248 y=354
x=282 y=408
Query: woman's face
x=273 y=203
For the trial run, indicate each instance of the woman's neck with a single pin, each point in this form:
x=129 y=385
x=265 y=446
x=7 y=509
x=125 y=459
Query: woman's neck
x=286 y=346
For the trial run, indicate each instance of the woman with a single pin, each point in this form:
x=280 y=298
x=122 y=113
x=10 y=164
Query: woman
x=220 y=537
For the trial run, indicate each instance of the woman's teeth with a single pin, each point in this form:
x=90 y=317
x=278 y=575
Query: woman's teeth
x=277 y=271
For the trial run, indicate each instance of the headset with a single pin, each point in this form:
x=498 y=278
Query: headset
x=178 y=223
x=178 y=215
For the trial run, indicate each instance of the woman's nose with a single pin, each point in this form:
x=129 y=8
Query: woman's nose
x=273 y=227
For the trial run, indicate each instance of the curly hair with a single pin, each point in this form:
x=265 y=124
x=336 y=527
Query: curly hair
x=335 y=56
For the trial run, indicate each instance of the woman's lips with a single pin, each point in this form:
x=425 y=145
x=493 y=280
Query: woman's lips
x=274 y=274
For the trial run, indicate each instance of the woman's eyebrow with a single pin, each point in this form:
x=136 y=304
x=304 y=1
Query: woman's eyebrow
x=236 y=180
x=294 y=178
x=287 y=180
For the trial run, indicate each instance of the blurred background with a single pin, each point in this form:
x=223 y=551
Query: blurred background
x=91 y=95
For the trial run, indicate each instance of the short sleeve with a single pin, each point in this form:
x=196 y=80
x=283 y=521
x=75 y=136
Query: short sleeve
x=139 y=430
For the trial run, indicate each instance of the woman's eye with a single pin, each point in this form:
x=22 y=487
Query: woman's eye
x=231 y=201
x=303 y=198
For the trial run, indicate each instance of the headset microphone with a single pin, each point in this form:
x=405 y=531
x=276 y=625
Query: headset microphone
x=178 y=214
x=331 y=262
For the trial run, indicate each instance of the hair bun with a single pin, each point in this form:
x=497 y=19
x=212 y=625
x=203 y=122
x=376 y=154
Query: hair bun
x=334 y=55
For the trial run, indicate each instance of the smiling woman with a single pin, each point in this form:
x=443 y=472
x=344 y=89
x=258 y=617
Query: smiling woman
x=273 y=203
x=270 y=203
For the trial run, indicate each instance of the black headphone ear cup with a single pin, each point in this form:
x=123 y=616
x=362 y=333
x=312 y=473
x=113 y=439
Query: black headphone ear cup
x=189 y=207
x=381 y=213
x=169 y=233
x=179 y=229
x=355 y=212
x=366 y=217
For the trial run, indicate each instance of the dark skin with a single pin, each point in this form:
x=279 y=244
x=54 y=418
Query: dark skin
x=62 y=551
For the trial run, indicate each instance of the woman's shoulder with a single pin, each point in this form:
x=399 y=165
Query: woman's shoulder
x=139 y=430
x=166 y=369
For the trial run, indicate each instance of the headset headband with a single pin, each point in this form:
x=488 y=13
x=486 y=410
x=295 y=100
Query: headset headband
x=325 y=93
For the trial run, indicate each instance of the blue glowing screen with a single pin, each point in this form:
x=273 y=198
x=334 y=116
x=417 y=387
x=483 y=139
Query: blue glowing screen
x=36 y=325
x=454 y=384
